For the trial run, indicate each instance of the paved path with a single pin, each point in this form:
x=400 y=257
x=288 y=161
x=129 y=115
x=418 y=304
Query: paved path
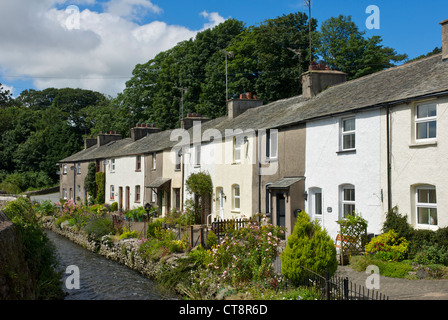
x=401 y=289
x=54 y=197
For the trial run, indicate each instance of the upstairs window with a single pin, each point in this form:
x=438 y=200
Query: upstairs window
x=112 y=165
x=178 y=160
x=272 y=144
x=197 y=152
x=138 y=163
x=425 y=121
x=64 y=169
x=426 y=205
x=78 y=168
x=237 y=147
x=154 y=161
x=348 y=134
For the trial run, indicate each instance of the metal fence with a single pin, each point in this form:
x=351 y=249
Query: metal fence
x=337 y=288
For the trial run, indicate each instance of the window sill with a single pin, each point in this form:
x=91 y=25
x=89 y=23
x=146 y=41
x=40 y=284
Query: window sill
x=350 y=151
x=430 y=143
x=138 y=170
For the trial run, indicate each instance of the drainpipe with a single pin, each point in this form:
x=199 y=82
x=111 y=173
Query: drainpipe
x=389 y=173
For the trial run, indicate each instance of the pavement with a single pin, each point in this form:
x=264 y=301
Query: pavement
x=400 y=289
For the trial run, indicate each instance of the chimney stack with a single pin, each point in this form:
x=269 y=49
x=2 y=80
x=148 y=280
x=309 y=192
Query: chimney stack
x=187 y=122
x=142 y=130
x=444 y=39
x=106 y=137
x=318 y=78
x=235 y=107
x=89 y=142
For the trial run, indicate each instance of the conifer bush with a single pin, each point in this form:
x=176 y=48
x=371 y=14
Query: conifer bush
x=310 y=246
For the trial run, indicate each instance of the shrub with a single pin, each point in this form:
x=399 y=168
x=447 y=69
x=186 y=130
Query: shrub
x=212 y=239
x=153 y=226
x=397 y=222
x=96 y=228
x=114 y=207
x=100 y=187
x=388 y=246
x=127 y=233
x=310 y=246
x=432 y=254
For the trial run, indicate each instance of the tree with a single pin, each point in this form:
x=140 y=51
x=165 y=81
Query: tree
x=310 y=246
x=5 y=97
x=343 y=47
x=269 y=58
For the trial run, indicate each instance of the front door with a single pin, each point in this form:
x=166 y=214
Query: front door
x=120 y=198
x=128 y=196
x=281 y=210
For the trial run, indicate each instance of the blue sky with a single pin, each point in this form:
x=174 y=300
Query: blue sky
x=38 y=51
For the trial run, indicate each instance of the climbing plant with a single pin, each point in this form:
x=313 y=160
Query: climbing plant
x=200 y=184
x=100 y=187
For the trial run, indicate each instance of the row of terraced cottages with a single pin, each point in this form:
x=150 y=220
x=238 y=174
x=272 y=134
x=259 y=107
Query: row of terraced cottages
x=361 y=146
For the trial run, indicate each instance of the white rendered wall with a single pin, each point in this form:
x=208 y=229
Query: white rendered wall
x=328 y=169
x=125 y=175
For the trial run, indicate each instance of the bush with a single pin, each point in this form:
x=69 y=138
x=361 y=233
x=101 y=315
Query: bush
x=212 y=239
x=432 y=254
x=128 y=233
x=99 y=227
x=388 y=246
x=114 y=207
x=309 y=246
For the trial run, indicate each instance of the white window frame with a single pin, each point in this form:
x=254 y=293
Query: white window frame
x=197 y=155
x=78 y=168
x=64 y=193
x=344 y=133
x=345 y=202
x=64 y=169
x=237 y=148
x=268 y=199
x=272 y=144
x=153 y=195
x=424 y=120
x=138 y=163
x=236 y=197
x=426 y=205
x=112 y=192
x=112 y=165
x=137 y=193
x=154 y=160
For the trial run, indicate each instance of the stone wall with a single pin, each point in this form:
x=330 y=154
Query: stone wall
x=16 y=282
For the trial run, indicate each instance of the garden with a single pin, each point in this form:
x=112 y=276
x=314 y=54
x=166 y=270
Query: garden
x=403 y=251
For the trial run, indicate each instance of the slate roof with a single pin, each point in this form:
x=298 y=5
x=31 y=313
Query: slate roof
x=412 y=80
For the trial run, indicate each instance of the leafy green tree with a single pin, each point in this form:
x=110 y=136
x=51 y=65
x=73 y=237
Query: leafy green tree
x=269 y=58
x=5 y=97
x=90 y=182
x=345 y=48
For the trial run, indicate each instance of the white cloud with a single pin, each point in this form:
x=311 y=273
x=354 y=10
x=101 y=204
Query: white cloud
x=132 y=9
x=213 y=17
x=99 y=54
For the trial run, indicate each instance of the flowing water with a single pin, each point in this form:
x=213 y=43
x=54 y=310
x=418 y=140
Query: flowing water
x=100 y=278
